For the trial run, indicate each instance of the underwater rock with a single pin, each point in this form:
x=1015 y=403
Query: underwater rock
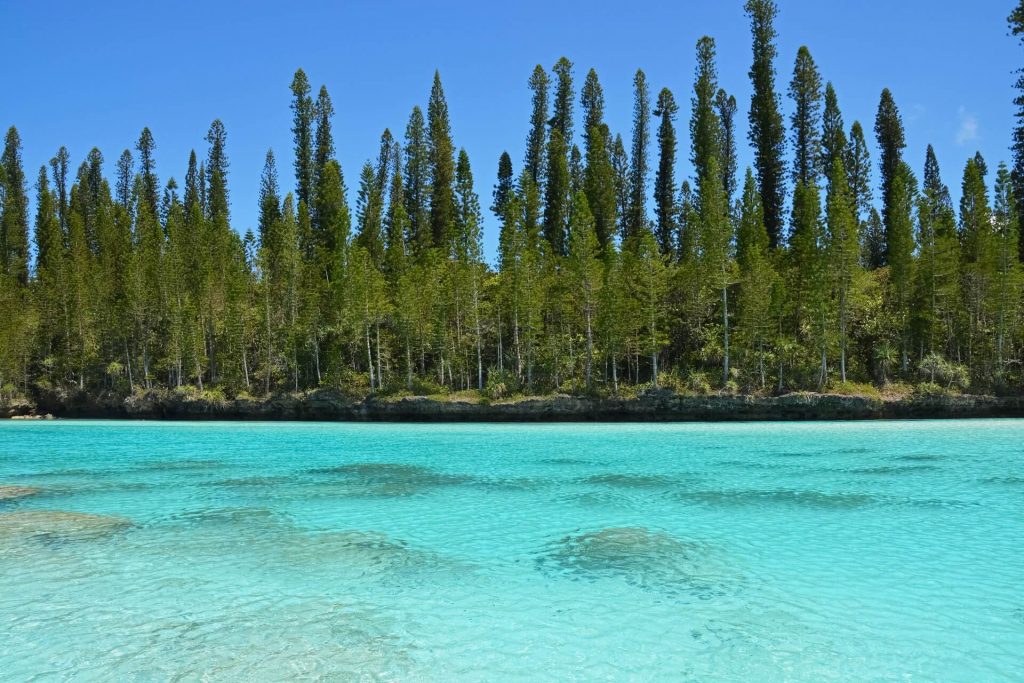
x=770 y=497
x=16 y=492
x=632 y=481
x=893 y=469
x=59 y=525
x=565 y=461
x=250 y=482
x=177 y=465
x=358 y=556
x=642 y=557
x=1009 y=481
x=389 y=479
x=511 y=483
x=920 y=457
x=242 y=516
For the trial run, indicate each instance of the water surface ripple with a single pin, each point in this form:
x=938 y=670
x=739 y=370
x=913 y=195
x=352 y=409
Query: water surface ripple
x=735 y=552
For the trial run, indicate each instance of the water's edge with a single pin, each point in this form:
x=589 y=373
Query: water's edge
x=326 y=405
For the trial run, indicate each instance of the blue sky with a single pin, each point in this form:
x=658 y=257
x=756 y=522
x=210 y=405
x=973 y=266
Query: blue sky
x=93 y=74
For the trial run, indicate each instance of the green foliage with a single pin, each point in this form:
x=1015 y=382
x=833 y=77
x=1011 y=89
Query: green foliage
x=135 y=288
x=766 y=133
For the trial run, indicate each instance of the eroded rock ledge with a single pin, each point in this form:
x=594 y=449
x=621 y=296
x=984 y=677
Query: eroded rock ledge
x=656 y=406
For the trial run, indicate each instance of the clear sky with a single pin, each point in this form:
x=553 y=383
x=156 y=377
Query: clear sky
x=93 y=74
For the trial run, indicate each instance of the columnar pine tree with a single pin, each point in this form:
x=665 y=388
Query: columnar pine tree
x=725 y=107
x=805 y=122
x=621 y=172
x=889 y=132
x=562 y=117
x=766 y=131
x=636 y=212
x=899 y=240
x=469 y=259
x=302 y=130
x=147 y=170
x=1006 y=289
x=585 y=269
x=592 y=101
x=556 y=194
x=600 y=183
x=664 y=179
x=705 y=126
x=417 y=182
x=14 y=212
x=757 y=280
x=505 y=186
x=979 y=265
x=1016 y=25
x=937 y=272
x=442 y=166
x=535 y=141
x=833 y=138
x=842 y=246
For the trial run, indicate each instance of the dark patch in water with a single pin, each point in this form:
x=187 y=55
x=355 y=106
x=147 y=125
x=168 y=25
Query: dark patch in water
x=632 y=481
x=510 y=483
x=853 y=451
x=80 y=472
x=58 y=526
x=768 y=498
x=565 y=461
x=363 y=551
x=920 y=457
x=231 y=516
x=601 y=499
x=181 y=465
x=893 y=469
x=13 y=493
x=250 y=482
x=796 y=454
x=939 y=503
x=753 y=464
x=389 y=480
x=641 y=557
x=1008 y=481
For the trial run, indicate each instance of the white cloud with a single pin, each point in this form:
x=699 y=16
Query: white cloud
x=968 y=131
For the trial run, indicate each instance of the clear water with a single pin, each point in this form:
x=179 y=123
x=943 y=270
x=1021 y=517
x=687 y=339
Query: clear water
x=746 y=552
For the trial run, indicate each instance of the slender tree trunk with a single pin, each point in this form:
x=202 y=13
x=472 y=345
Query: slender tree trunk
x=615 y=374
x=501 y=351
x=380 y=374
x=408 y=363
x=128 y=363
x=590 y=347
x=842 y=336
x=245 y=365
x=316 y=357
x=369 y=356
x=725 y=334
x=760 y=361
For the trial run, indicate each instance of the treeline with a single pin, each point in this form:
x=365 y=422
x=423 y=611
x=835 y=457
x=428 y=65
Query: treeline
x=784 y=277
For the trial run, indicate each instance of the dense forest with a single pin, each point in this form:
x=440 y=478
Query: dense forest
x=829 y=266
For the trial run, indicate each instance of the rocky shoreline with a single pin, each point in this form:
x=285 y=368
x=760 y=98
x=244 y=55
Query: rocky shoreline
x=656 y=406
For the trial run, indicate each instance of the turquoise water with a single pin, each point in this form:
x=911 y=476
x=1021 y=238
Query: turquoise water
x=739 y=552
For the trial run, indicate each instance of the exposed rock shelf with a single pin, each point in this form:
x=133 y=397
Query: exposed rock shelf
x=657 y=406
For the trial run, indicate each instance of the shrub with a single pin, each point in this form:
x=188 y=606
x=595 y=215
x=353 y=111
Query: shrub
x=929 y=389
x=499 y=385
x=698 y=382
x=936 y=369
x=855 y=389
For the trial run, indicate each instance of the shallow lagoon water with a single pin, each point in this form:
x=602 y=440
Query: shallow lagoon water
x=260 y=551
